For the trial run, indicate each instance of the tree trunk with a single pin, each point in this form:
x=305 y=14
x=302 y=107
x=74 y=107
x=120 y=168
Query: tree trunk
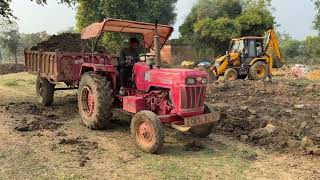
x=15 y=58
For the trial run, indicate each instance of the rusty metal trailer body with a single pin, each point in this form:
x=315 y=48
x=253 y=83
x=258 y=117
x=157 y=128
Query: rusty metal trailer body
x=61 y=66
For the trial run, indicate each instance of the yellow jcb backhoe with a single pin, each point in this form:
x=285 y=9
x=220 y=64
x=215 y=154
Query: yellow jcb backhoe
x=250 y=57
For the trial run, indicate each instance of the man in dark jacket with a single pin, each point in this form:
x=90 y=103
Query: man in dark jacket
x=128 y=57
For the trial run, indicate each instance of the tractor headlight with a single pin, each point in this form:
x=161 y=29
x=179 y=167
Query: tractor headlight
x=204 y=81
x=190 y=81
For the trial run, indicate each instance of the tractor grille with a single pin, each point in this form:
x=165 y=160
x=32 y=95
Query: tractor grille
x=192 y=97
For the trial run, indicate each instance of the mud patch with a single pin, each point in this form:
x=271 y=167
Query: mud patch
x=30 y=117
x=37 y=124
x=194 y=146
x=81 y=146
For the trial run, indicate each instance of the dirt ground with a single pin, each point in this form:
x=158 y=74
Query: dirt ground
x=268 y=131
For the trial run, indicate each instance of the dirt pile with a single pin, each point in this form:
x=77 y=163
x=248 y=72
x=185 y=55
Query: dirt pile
x=277 y=115
x=313 y=75
x=66 y=42
x=9 y=68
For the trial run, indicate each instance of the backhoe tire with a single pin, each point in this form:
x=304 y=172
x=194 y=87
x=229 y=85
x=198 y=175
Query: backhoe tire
x=45 y=91
x=148 y=131
x=205 y=130
x=258 y=71
x=230 y=75
x=95 y=101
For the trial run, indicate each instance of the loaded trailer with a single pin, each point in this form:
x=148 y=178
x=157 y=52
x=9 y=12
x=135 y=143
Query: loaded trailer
x=59 y=67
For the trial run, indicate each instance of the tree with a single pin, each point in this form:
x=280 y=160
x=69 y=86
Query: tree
x=9 y=37
x=32 y=39
x=317 y=17
x=312 y=48
x=290 y=48
x=137 y=10
x=212 y=23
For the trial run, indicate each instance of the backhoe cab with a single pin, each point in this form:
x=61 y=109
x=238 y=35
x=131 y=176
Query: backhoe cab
x=250 y=57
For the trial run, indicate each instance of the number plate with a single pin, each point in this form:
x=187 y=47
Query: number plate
x=202 y=119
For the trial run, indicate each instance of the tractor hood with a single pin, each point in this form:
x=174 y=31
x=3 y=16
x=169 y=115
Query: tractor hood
x=163 y=77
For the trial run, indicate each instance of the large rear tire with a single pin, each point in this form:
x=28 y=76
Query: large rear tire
x=231 y=75
x=205 y=130
x=95 y=100
x=45 y=91
x=147 y=131
x=258 y=71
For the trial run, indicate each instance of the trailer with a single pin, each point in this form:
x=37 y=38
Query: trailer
x=56 y=67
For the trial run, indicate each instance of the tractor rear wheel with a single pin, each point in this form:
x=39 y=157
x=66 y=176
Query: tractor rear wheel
x=231 y=75
x=205 y=130
x=95 y=100
x=147 y=131
x=45 y=91
x=258 y=71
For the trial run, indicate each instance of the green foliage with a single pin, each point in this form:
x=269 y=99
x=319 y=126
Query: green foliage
x=291 y=48
x=212 y=23
x=317 y=17
x=312 y=47
x=68 y=30
x=9 y=36
x=5 y=10
x=137 y=10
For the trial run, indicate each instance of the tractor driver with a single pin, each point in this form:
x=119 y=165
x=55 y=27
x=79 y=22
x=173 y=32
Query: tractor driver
x=128 y=57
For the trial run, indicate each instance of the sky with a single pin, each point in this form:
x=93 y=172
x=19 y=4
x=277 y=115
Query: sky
x=294 y=16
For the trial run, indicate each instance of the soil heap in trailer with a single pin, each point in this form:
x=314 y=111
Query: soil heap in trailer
x=156 y=96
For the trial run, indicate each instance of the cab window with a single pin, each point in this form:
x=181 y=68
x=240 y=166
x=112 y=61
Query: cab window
x=252 y=48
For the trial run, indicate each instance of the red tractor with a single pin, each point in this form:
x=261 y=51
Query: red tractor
x=157 y=97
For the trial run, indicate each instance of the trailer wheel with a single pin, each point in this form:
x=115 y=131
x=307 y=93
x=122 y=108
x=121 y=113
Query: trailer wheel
x=95 y=100
x=205 y=130
x=147 y=131
x=258 y=71
x=45 y=91
x=230 y=75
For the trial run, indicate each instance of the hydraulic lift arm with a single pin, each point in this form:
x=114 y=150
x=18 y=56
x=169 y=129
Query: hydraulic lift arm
x=273 y=47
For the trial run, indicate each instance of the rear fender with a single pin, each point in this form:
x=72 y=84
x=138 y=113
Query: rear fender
x=111 y=76
x=259 y=59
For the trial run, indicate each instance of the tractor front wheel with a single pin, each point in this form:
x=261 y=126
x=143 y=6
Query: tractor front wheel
x=258 y=71
x=45 y=91
x=205 y=130
x=95 y=101
x=147 y=131
x=231 y=75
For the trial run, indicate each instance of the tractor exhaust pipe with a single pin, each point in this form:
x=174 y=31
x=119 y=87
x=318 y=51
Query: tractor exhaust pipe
x=157 y=47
